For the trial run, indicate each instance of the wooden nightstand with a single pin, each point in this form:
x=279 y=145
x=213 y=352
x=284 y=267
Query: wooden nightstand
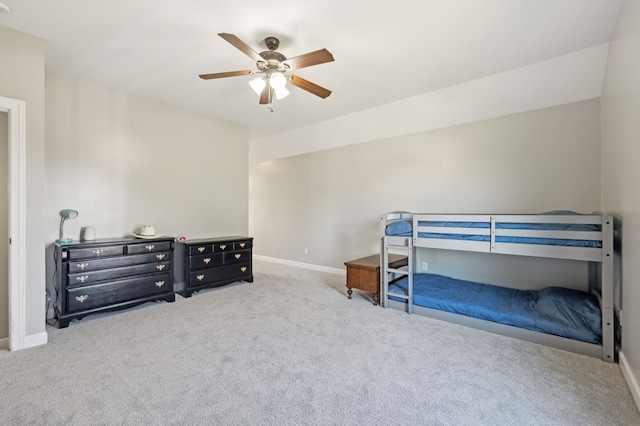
x=364 y=273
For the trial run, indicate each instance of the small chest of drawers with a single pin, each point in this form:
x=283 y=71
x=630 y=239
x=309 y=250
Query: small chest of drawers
x=111 y=274
x=216 y=261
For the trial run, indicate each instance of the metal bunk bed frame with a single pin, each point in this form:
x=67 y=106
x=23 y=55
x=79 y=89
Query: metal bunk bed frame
x=602 y=275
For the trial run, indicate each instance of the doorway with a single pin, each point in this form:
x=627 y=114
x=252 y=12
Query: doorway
x=4 y=231
x=16 y=164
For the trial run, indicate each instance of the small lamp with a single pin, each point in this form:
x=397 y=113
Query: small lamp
x=64 y=215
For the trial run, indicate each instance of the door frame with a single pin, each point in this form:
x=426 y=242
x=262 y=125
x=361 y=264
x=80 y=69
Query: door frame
x=16 y=110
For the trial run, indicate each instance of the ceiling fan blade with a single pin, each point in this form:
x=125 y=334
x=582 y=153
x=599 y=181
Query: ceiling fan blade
x=308 y=59
x=267 y=94
x=309 y=86
x=242 y=46
x=224 y=74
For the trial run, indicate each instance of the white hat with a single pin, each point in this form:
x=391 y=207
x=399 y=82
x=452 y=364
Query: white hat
x=147 y=231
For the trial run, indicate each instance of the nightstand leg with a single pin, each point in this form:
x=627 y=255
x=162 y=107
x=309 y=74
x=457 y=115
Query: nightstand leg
x=349 y=292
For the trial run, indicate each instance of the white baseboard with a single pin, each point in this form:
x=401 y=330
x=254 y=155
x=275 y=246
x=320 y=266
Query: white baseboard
x=300 y=264
x=4 y=343
x=35 y=340
x=630 y=378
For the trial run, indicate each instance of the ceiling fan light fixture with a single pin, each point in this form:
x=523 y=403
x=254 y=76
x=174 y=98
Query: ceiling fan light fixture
x=257 y=84
x=281 y=92
x=278 y=80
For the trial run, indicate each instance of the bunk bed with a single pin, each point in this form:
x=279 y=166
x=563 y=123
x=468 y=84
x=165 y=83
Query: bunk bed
x=573 y=320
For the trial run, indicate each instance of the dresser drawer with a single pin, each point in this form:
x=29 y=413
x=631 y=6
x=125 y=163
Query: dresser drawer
x=95 y=252
x=115 y=273
x=222 y=247
x=87 y=265
x=241 y=256
x=200 y=249
x=99 y=295
x=205 y=261
x=242 y=245
x=148 y=247
x=207 y=276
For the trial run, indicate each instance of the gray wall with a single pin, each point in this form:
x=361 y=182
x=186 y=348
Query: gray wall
x=22 y=78
x=620 y=170
x=329 y=201
x=123 y=161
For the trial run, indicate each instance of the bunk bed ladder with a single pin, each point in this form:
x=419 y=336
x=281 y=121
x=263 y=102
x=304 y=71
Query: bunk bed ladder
x=386 y=272
x=607 y=289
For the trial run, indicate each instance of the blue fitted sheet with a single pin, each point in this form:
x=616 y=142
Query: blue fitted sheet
x=554 y=310
x=404 y=228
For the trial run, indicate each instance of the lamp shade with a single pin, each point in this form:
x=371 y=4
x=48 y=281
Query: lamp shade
x=69 y=213
x=64 y=215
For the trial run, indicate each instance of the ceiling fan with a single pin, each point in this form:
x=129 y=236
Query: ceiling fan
x=276 y=69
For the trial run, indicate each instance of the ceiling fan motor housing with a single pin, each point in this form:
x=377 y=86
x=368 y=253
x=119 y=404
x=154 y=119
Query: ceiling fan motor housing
x=272 y=43
x=273 y=59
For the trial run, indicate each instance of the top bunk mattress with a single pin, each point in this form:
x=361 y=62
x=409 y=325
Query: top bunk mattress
x=404 y=228
x=553 y=310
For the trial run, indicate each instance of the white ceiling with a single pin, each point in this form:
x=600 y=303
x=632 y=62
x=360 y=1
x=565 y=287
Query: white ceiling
x=383 y=51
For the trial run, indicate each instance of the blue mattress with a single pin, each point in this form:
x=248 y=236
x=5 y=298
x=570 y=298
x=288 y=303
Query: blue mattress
x=554 y=310
x=404 y=228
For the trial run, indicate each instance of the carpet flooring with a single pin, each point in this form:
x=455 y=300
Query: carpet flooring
x=291 y=349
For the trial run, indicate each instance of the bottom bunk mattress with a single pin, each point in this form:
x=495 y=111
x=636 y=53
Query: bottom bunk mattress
x=554 y=310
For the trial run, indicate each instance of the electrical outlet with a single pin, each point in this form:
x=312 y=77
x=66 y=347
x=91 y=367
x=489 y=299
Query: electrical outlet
x=306 y=250
x=424 y=266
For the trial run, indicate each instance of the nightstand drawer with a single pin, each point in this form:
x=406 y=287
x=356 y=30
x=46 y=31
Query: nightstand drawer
x=207 y=276
x=237 y=257
x=200 y=249
x=222 y=247
x=242 y=245
x=99 y=295
x=205 y=261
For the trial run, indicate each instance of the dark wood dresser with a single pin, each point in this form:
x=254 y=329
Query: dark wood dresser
x=215 y=262
x=110 y=274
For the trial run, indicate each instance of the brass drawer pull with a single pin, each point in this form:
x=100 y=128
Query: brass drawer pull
x=160 y=256
x=82 y=278
x=150 y=247
x=243 y=269
x=81 y=266
x=98 y=252
x=201 y=249
x=242 y=245
x=82 y=298
x=238 y=256
x=200 y=277
x=223 y=246
x=207 y=260
x=160 y=267
x=159 y=284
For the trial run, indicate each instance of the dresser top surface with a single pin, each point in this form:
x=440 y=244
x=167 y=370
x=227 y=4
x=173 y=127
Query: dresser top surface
x=107 y=241
x=215 y=240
